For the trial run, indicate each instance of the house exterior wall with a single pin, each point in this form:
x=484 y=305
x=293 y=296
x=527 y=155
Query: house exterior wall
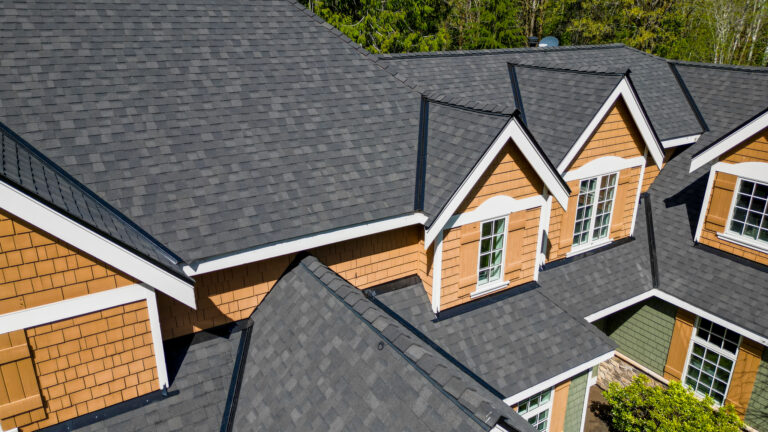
x=37 y=268
x=89 y=362
x=233 y=294
x=757 y=409
x=643 y=332
x=721 y=199
x=575 y=406
x=615 y=136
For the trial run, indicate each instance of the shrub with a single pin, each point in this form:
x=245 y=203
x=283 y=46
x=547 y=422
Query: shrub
x=641 y=407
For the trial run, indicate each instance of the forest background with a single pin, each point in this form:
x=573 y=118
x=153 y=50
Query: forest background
x=715 y=31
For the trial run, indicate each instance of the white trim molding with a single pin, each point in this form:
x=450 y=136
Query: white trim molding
x=303 y=243
x=586 y=399
x=96 y=245
x=437 y=274
x=544 y=219
x=515 y=132
x=602 y=166
x=494 y=207
x=625 y=90
x=65 y=309
x=729 y=141
x=489 y=288
x=747 y=242
x=680 y=141
x=637 y=194
x=512 y=400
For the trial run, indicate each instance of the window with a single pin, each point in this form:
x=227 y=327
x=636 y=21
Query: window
x=536 y=409
x=491 y=259
x=749 y=215
x=711 y=360
x=593 y=211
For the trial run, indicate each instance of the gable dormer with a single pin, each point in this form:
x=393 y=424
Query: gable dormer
x=734 y=214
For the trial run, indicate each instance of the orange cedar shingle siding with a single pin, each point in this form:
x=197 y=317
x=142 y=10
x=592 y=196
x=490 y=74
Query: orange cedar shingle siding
x=717 y=216
x=92 y=361
x=616 y=135
x=754 y=149
x=652 y=171
x=36 y=268
x=233 y=294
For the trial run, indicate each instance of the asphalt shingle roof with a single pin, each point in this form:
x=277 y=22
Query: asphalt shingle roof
x=511 y=341
x=214 y=125
x=332 y=344
x=26 y=169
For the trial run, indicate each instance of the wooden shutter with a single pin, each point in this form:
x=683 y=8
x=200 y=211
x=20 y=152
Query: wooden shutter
x=19 y=390
x=559 y=405
x=620 y=204
x=470 y=237
x=722 y=196
x=678 y=347
x=744 y=375
x=514 y=252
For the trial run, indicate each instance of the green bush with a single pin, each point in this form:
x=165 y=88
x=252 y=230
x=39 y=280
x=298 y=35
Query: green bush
x=641 y=407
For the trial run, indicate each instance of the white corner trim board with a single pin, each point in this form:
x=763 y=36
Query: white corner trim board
x=494 y=207
x=512 y=400
x=303 y=243
x=625 y=90
x=729 y=141
x=65 y=309
x=544 y=218
x=637 y=194
x=755 y=171
x=681 y=141
x=69 y=231
x=602 y=166
x=516 y=133
x=437 y=274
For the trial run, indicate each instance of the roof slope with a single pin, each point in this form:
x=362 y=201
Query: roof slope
x=558 y=104
x=214 y=125
x=482 y=72
x=333 y=344
x=26 y=169
x=456 y=139
x=512 y=340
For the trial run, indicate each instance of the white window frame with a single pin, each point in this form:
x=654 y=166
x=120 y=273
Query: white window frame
x=491 y=286
x=536 y=411
x=741 y=239
x=719 y=351
x=592 y=243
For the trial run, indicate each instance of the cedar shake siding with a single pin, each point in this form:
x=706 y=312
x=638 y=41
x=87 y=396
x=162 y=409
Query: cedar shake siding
x=87 y=363
x=37 y=269
x=721 y=199
x=618 y=136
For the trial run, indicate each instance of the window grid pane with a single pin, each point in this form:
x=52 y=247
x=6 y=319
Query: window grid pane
x=604 y=206
x=584 y=210
x=749 y=217
x=491 y=251
x=594 y=208
x=534 y=401
x=711 y=361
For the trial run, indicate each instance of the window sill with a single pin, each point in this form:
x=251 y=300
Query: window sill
x=489 y=288
x=589 y=247
x=744 y=241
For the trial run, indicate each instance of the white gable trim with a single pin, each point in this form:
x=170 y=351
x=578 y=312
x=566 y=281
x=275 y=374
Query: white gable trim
x=303 y=243
x=602 y=166
x=681 y=141
x=516 y=133
x=557 y=379
x=756 y=171
x=730 y=141
x=96 y=245
x=625 y=90
x=65 y=309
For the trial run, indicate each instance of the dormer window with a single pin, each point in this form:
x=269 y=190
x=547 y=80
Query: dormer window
x=749 y=214
x=492 y=241
x=593 y=211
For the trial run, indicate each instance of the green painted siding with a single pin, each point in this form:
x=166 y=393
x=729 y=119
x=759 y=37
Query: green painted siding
x=643 y=332
x=575 y=406
x=757 y=410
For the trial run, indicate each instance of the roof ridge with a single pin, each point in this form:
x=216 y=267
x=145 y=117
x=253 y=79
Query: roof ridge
x=735 y=68
x=34 y=152
x=569 y=70
x=464 y=53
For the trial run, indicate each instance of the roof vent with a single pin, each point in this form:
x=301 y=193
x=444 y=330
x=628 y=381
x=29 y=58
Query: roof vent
x=533 y=41
x=549 y=41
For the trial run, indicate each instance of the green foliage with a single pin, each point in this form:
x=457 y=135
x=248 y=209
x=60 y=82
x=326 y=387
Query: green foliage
x=640 y=407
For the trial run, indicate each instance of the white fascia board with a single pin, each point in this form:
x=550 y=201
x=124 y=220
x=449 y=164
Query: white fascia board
x=705 y=203
x=96 y=245
x=512 y=400
x=602 y=166
x=680 y=141
x=730 y=141
x=516 y=133
x=299 y=244
x=625 y=90
x=619 y=306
